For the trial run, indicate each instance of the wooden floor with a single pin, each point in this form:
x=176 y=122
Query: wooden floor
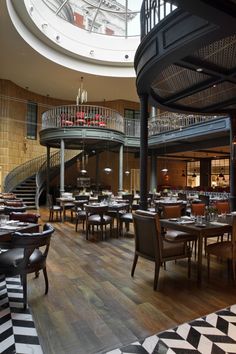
x=94 y=305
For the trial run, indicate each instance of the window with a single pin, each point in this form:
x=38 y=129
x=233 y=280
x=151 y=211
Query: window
x=131 y=114
x=32 y=116
x=220 y=173
x=193 y=174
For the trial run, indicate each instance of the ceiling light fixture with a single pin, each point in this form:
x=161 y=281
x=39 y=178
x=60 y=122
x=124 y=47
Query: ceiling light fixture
x=82 y=95
x=199 y=70
x=127 y=172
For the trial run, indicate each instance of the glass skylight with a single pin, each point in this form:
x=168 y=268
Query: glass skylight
x=108 y=17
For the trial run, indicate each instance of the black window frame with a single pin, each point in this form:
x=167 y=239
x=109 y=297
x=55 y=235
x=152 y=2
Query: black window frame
x=31 y=120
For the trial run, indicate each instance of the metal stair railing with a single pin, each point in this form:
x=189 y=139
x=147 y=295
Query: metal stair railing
x=54 y=166
x=22 y=172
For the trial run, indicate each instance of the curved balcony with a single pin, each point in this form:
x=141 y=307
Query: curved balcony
x=99 y=126
x=87 y=116
x=76 y=123
x=186 y=59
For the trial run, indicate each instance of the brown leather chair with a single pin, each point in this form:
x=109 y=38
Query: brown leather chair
x=150 y=244
x=175 y=211
x=96 y=216
x=198 y=209
x=26 y=256
x=224 y=250
x=25 y=217
x=205 y=199
x=222 y=207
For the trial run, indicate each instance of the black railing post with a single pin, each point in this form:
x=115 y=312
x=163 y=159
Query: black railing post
x=143 y=151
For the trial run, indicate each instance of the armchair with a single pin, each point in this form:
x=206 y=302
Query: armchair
x=26 y=256
x=150 y=244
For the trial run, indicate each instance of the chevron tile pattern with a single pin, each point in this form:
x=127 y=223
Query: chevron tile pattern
x=211 y=334
x=17 y=331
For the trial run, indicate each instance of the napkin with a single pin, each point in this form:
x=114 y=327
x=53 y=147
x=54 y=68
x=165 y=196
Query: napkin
x=216 y=223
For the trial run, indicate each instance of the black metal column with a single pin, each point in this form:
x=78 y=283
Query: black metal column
x=97 y=170
x=205 y=173
x=143 y=151
x=233 y=162
x=48 y=172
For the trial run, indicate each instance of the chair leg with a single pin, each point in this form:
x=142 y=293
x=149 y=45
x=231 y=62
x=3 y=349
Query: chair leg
x=156 y=276
x=134 y=264
x=46 y=279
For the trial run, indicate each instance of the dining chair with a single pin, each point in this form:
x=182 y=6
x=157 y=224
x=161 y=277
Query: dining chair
x=222 y=207
x=57 y=209
x=96 y=216
x=25 y=217
x=175 y=211
x=28 y=254
x=127 y=219
x=204 y=199
x=198 y=209
x=224 y=250
x=80 y=213
x=150 y=244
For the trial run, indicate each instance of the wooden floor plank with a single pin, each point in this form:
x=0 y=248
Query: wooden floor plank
x=94 y=304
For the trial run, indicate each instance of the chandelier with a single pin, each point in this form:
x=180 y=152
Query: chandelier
x=82 y=95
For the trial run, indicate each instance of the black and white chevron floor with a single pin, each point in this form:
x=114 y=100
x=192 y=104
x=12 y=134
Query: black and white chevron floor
x=17 y=332
x=211 y=334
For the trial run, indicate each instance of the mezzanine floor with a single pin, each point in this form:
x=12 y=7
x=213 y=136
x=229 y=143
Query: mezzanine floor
x=94 y=305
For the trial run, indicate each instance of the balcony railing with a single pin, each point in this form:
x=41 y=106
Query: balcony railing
x=83 y=116
x=101 y=117
x=154 y=11
x=174 y=121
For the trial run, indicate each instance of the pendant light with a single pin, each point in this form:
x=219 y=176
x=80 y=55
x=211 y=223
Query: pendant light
x=221 y=175
x=83 y=170
x=183 y=174
x=107 y=169
x=165 y=169
x=127 y=171
x=194 y=173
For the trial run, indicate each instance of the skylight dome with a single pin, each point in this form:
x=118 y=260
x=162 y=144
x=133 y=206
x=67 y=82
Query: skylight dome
x=108 y=17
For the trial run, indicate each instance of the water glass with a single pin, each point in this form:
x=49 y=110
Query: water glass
x=199 y=219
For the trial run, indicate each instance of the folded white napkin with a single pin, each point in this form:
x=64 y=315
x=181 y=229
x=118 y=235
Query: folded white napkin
x=216 y=223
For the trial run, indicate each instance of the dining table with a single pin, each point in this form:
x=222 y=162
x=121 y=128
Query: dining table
x=8 y=229
x=64 y=202
x=202 y=230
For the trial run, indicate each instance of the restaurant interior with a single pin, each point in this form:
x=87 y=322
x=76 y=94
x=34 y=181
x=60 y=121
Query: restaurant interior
x=117 y=176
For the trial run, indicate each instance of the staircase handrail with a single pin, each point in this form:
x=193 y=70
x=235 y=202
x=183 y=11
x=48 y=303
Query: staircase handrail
x=22 y=172
x=54 y=162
